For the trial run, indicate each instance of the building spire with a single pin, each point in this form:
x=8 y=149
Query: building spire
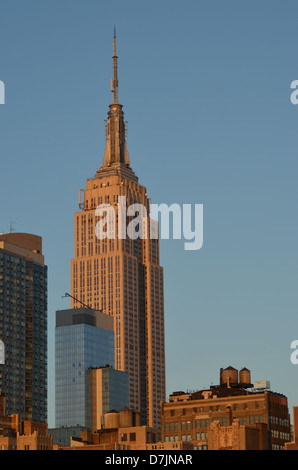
x=114 y=87
x=115 y=131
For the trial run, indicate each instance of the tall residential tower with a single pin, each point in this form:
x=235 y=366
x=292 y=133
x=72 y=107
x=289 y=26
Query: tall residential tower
x=120 y=274
x=23 y=326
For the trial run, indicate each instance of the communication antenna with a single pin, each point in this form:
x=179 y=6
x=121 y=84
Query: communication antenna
x=11 y=230
x=114 y=80
x=77 y=300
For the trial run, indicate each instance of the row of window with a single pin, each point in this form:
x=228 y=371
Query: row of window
x=132 y=437
x=200 y=436
x=205 y=423
x=206 y=409
x=281 y=435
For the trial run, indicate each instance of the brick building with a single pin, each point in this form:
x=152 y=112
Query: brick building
x=293 y=445
x=188 y=416
x=16 y=434
x=122 y=431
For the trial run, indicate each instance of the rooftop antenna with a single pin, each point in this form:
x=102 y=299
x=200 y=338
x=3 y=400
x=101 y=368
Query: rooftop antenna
x=114 y=81
x=77 y=300
x=11 y=230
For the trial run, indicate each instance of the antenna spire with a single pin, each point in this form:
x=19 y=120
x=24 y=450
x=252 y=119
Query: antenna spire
x=114 y=87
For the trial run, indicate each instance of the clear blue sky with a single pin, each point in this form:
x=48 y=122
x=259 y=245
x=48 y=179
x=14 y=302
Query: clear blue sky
x=206 y=91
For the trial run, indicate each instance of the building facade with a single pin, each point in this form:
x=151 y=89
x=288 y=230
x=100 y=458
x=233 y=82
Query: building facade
x=23 y=326
x=115 y=271
x=293 y=444
x=84 y=338
x=108 y=390
x=121 y=431
x=237 y=436
x=188 y=416
x=16 y=434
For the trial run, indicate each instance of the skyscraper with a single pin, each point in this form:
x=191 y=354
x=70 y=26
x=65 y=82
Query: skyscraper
x=84 y=339
x=23 y=326
x=121 y=274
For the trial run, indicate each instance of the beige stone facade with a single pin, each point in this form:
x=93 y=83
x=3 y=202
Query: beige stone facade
x=122 y=276
x=237 y=437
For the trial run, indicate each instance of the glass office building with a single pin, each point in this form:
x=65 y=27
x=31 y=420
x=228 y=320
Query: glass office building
x=84 y=339
x=23 y=326
x=107 y=390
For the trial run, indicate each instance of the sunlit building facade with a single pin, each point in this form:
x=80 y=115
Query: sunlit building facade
x=23 y=326
x=201 y=416
x=120 y=274
x=107 y=389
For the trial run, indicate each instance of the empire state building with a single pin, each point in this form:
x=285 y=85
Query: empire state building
x=121 y=275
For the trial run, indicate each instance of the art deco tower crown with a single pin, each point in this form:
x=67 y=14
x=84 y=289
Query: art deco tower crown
x=116 y=155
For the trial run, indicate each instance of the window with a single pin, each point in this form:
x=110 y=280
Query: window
x=123 y=437
x=132 y=436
